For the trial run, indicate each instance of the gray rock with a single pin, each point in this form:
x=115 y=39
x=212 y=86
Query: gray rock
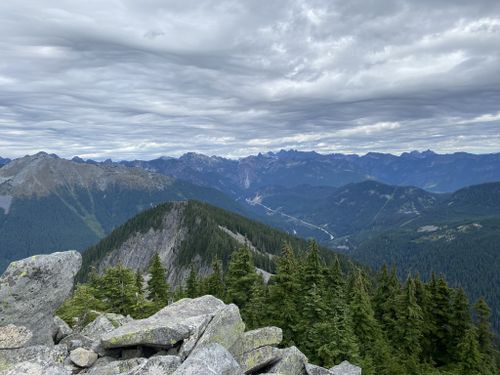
x=32 y=289
x=167 y=327
x=117 y=367
x=37 y=368
x=77 y=340
x=35 y=354
x=98 y=327
x=346 y=368
x=259 y=358
x=211 y=359
x=316 y=370
x=292 y=362
x=14 y=337
x=258 y=338
x=62 y=329
x=159 y=365
x=83 y=357
x=189 y=343
x=225 y=328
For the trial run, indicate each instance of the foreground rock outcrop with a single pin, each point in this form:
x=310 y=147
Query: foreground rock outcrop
x=32 y=289
x=202 y=336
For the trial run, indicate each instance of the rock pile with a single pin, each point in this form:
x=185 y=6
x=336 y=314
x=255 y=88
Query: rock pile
x=201 y=336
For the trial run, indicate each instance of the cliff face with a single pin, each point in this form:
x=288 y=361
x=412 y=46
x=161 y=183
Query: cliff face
x=190 y=337
x=138 y=250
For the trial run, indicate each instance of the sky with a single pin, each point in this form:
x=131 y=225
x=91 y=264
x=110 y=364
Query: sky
x=132 y=79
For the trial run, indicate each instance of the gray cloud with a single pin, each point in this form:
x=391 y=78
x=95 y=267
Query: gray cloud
x=128 y=79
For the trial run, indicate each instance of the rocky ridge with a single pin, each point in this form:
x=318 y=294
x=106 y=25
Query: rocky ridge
x=190 y=337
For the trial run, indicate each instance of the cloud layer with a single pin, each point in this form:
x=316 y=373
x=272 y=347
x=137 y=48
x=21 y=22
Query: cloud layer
x=140 y=79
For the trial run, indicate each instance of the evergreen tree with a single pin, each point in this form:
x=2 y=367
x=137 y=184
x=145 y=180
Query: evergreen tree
x=460 y=321
x=470 y=361
x=214 y=284
x=139 y=282
x=409 y=323
x=79 y=309
x=441 y=336
x=485 y=336
x=385 y=301
x=192 y=284
x=255 y=312
x=119 y=290
x=240 y=277
x=158 y=288
x=284 y=291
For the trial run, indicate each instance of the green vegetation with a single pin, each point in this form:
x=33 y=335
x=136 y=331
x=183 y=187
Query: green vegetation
x=386 y=326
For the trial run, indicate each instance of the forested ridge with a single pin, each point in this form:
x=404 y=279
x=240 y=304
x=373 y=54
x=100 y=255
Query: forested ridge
x=204 y=236
x=384 y=325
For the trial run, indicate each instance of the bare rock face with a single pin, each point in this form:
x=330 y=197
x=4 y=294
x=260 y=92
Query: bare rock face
x=32 y=289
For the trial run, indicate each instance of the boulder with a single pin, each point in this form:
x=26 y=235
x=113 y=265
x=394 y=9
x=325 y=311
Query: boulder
x=291 y=362
x=258 y=338
x=36 y=354
x=211 y=359
x=225 y=328
x=32 y=289
x=346 y=368
x=117 y=367
x=14 y=337
x=316 y=370
x=61 y=329
x=164 y=365
x=257 y=359
x=77 y=340
x=37 y=368
x=167 y=327
x=98 y=327
x=83 y=357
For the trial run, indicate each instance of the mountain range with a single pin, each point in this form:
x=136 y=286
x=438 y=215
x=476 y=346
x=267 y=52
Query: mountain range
x=427 y=170
x=421 y=211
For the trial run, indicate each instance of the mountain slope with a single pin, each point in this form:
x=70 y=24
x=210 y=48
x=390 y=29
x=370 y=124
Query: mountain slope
x=347 y=210
x=185 y=234
x=48 y=203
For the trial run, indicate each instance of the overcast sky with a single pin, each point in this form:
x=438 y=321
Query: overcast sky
x=143 y=78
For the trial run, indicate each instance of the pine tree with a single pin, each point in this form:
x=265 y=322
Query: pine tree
x=79 y=309
x=192 y=284
x=214 y=284
x=284 y=290
x=485 y=336
x=255 y=312
x=409 y=323
x=139 y=282
x=385 y=301
x=460 y=321
x=441 y=319
x=158 y=288
x=119 y=290
x=469 y=355
x=240 y=277
x=313 y=268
